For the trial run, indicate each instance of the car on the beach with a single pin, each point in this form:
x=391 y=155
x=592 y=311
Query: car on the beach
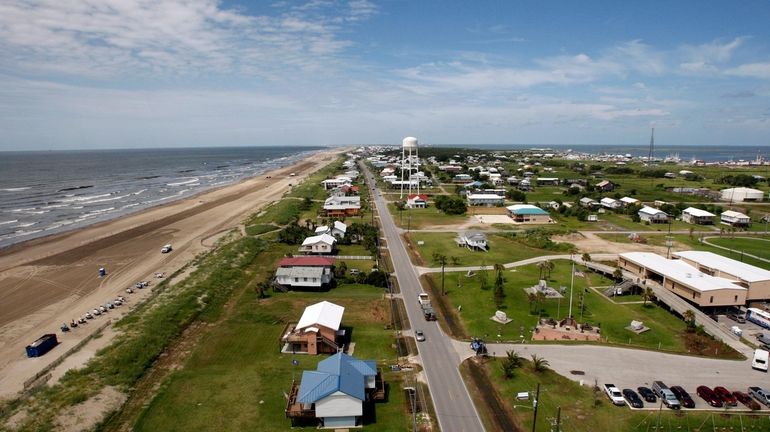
x=166 y=249
x=88 y=315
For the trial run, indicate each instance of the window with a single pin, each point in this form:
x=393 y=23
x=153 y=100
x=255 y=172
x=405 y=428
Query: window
x=736 y=299
x=304 y=279
x=296 y=279
x=711 y=299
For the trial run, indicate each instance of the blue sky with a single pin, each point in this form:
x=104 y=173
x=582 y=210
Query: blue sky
x=141 y=73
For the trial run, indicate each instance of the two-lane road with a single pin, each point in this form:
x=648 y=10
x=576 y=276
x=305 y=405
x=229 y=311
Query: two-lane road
x=454 y=408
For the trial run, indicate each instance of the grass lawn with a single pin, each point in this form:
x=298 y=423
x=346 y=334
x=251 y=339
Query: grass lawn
x=421 y=218
x=579 y=414
x=755 y=246
x=501 y=250
x=694 y=243
x=311 y=187
x=235 y=378
x=478 y=306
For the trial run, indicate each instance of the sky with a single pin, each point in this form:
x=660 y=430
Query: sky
x=83 y=74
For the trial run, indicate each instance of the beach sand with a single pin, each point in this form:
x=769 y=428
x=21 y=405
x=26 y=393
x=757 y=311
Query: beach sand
x=49 y=281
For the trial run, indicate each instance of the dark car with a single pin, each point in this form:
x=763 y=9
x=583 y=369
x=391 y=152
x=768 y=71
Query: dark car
x=737 y=318
x=709 y=396
x=632 y=398
x=683 y=396
x=726 y=396
x=647 y=394
x=747 y=400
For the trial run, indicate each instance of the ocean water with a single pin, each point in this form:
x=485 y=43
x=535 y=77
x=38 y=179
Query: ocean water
x=43 y=193
x=686 y=153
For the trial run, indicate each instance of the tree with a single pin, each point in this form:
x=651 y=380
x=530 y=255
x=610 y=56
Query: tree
x=511 y=362
x=499 y=294
x=541 y=268
x=586 y=257
x=689 y=318
x=539 y=364
x=340 y=270
x=540 y=296
x=617 y=275
x=549 y=266
x=532 y=299
x=647 y=295
x=483 y=276
x=307 y=203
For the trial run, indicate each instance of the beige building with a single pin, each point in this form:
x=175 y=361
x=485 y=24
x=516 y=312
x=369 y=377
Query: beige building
x=684 y=279
x=755 y=279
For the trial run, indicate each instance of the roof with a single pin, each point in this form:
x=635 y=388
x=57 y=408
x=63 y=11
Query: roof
x=340 y=226
x=474 y=235
x=743 y=190
x=485 y=196
x=526 y=209
x=323 y=229
x=324 y=313
x=629 y=200
x=325 y=238
x=734 y=214
x=604 y=183
x=421 y=196
x=608 y=200
x=744 y=271
x=697 y=212
x=681 y=272
x=308 y=261
x=651 y=211
x=301 y=272
x=339 y=372
x=587 y=200
x=548 y=179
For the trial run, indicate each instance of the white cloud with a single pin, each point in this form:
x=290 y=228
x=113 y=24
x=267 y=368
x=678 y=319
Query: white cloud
x=636 y=55
x=145 y=37
x=752 y=70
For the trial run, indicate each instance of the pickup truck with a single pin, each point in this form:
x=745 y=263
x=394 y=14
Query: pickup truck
x=428 y=312
x=423 y=299
x=614 y=394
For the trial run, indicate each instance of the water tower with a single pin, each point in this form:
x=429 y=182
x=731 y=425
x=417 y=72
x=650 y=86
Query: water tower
x=410 y=164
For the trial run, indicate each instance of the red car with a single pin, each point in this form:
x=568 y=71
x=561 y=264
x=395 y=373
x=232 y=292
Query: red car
x=747 y=400
x=726 y=396
x=709 y=396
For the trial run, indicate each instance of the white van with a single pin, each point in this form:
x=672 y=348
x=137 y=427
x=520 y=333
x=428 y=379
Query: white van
x=760 y=360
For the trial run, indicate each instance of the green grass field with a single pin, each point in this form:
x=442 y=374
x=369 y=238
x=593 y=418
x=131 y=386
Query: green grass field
x=501 y=250
x=755 y=246
x=478 y=306
x=578 y=413
x=235 y=377
x=422 y=218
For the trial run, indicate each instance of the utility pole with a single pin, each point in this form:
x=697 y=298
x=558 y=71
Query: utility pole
x=414 y=405
x=534 y=406
x=571 y=285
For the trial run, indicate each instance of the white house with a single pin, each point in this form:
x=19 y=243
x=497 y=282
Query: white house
x=484 y=199
x=611 y=203
x=336 y=182
x=588 y=202
x=734 y=218
x=304 y=272
x=652 y=215
x=697 y=216
x=341 y=206
x=337 y=229
x=741 y=194
x=628 y=201
x=337 y=390
x=417 y=201
x=472 y=240
x=320 y=244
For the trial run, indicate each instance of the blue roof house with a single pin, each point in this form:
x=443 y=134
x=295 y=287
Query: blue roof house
x=338 y=389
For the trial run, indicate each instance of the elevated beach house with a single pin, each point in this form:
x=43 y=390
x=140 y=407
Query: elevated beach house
x=697 y=216
x=335 y=393
x=307 y=272
x=735 y=219
x=323 y=244
x=485 y=199
x=473 y=240
x=652 y=215
x=337 y=229
x=318 y=330
x=528 y=214
x=417 y=201
x=341 y=206
x=611 y=203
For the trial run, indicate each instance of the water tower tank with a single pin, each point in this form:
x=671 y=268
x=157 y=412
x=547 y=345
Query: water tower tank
x=409 y=142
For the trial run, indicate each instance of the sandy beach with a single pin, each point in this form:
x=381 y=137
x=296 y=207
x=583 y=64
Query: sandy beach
x=52 y=280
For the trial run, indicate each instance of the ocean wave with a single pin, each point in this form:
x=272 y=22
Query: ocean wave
x=105 y=199
x=101 y=210
x=15 y=189
x=129 y=206
x=25 y=224
x=52 y=206
x=8 y=222
x=184 y=182
x=140 y=192
x=148 y=177
x=23 y=209
x=85 y=198
x=75 y=188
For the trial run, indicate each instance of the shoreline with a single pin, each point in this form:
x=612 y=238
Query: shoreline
x=13 y=247
x=53 y=279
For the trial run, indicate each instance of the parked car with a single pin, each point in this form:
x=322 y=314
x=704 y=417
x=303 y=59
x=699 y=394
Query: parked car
x=760 y=394
x=614 y=394
x=632 y=398
x=647 y=394
x=419 y=335
x=737 y=318
x=745 y=399
x=709 y=396
x=683 y=396
x=726 y=396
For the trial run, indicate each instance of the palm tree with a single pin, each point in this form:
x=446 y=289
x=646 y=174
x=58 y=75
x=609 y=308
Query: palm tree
x=531 y=298
x=647 y=295
x=511 y=362
x=541 y=267
x=549 y=266
x=617 y=275
x=539 y=364
x=689 y=318
x=586 y=257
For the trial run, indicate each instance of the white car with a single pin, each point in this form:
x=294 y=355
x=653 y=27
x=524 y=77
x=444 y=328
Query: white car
x=419 y=335
x=614 y=394
x=166 y=249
